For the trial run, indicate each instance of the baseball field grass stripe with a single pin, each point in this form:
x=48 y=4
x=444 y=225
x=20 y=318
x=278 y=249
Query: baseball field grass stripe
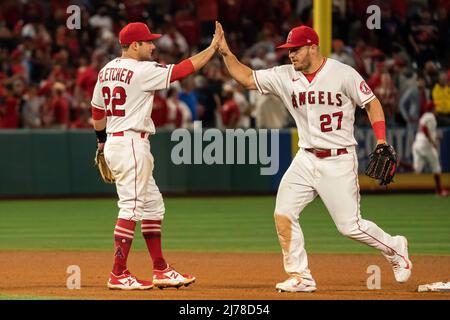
x=234 y=224
x=27 y=297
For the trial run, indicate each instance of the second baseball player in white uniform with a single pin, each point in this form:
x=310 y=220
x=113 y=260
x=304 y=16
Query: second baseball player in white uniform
x=321 y=94
x=121 y=108
x=425 y=149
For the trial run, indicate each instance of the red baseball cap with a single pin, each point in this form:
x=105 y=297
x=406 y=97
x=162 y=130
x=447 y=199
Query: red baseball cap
x=300 y=36
x=136 y=31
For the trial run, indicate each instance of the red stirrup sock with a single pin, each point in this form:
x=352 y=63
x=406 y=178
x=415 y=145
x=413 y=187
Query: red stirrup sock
x=123 y=237
x=437 y=181
x=151 y=230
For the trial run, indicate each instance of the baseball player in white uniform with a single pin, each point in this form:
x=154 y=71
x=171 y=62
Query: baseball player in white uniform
x=321 y=94
x=425 y=149
x=121 y=107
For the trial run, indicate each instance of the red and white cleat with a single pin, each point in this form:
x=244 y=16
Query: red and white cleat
x=169 y=277
x=297 y=284
x=126 y=281
x=401 y=265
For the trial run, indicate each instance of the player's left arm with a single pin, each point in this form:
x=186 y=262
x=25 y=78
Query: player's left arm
x=376 y=116
x=383 y=160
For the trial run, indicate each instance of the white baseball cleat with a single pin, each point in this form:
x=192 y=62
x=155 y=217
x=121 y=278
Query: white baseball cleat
x=296 y=284
x=400 y=262
x=126 y=281
x=171 y=278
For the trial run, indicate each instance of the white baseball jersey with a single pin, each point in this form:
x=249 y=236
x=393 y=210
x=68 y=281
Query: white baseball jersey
x=423 y=150
x=125 y=90
x=427 y=120
x=324 y=110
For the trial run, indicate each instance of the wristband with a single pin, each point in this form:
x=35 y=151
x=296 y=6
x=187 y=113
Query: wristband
x=101 y=135
x=379 y=128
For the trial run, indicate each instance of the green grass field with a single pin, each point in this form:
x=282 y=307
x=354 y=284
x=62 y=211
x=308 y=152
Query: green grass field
x=233 y=224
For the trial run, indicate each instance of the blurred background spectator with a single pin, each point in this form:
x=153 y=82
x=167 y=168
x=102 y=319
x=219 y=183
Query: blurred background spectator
x=414 y=102
x=229 y=110
x=441 y=99
x=179 y=115
x=48 y=72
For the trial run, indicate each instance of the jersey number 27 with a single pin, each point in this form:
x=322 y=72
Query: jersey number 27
x=117 y=98
x=325 y=121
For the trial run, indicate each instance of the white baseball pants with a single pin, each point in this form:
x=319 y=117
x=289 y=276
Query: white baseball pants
x=335 y=180
x=131 y=162
x=423 y=153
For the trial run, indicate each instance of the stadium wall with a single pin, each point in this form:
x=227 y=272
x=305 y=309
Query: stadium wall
x=60 y=163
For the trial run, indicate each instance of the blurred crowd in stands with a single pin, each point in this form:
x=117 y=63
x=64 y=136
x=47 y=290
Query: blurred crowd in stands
x=48 y=72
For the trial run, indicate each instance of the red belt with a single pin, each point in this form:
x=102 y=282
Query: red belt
x=324 y=153
x=121 y=134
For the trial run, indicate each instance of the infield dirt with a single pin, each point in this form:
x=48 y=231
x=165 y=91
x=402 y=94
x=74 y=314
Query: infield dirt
x=246 y=276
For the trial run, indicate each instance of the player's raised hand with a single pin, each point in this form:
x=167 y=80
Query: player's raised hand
x=223 y=45
x=218 y=36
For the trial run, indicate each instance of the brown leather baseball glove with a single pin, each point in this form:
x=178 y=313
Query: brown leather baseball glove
x=102 y=166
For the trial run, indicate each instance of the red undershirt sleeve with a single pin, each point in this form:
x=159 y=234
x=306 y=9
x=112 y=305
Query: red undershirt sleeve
x=182 y=70
x=97 y=114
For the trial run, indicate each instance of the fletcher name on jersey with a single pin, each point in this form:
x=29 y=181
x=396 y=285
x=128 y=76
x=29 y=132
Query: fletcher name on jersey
x=115 y=74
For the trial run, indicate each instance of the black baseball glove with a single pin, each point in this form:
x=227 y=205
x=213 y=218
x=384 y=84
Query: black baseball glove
x=382 y=164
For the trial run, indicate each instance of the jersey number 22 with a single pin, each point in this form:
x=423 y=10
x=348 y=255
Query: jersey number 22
x=117 y=98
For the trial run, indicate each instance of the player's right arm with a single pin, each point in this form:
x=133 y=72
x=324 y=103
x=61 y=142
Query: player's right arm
x=99 y=116
x=240 y=72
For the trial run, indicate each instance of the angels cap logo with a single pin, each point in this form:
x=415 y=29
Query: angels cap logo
x=364 y=87
x=289 y=37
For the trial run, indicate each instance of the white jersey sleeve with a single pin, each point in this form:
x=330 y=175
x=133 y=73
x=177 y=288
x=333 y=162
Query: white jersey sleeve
x=97 y=97
x=356 y=88
x=154 y=76
x=268 y=81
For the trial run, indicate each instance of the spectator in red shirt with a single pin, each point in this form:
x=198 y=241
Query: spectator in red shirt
x=159 y=111
x=9 y=109
x=60 y=106
x=187 y=25
x=230 y=110
x=17 y=67
x=87 y=77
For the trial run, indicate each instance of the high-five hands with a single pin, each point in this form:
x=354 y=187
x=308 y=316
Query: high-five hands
x=223 y=45
x=218 y=36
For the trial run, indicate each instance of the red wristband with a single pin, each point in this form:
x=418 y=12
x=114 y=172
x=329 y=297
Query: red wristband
x=379 y=128
x=181 y=70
